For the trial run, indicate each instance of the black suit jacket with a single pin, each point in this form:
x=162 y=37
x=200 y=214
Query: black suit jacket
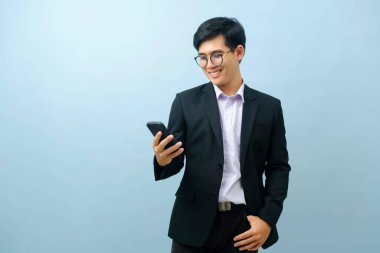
x=194 y=120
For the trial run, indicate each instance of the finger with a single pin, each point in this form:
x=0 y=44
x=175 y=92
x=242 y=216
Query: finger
x=164 y=142
x=177 y=153
x=172 y=149
x=246 y=241
x=156 y=139
x=251 y=218
x=251 y=247
x=244 y=235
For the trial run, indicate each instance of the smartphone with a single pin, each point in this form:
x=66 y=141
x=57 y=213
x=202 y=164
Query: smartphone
x=155 y=127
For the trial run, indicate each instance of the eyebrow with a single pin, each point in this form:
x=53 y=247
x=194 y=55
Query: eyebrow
x=213 y=52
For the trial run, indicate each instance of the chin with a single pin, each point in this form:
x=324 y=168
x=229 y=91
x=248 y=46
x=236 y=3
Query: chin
x=217 y=83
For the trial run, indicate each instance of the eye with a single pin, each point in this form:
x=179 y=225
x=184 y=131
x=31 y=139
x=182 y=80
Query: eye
x=216 y=56
x=202 y=58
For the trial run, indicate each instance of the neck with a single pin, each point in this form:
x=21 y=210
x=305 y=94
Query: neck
x=231 y=88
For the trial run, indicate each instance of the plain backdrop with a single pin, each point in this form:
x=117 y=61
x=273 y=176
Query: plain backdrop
x=80 y=79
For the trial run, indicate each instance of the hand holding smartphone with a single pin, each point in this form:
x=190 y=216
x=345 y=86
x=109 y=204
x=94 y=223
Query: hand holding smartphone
x=155 y=127
x=173 y=149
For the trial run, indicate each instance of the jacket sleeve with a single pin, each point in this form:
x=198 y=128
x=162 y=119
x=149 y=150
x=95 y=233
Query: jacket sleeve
x=276 y=172
x=177 y=127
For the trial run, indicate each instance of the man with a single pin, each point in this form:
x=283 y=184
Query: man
x=230 y=136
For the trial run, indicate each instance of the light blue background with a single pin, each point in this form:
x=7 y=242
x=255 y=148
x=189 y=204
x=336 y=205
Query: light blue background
x=79 y=80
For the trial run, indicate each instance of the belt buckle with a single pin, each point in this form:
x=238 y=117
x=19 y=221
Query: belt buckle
x=224 y=206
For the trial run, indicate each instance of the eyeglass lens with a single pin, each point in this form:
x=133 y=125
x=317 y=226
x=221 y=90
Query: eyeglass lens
x=216 y=59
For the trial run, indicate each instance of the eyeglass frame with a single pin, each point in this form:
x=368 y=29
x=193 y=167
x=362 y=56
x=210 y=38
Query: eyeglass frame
x=209 y=57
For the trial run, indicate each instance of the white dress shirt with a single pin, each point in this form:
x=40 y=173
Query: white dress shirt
x=230 y=110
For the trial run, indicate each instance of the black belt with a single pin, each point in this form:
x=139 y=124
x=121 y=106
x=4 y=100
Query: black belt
x=229 y=206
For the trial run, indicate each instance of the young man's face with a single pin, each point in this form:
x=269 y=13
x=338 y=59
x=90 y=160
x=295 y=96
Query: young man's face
x=226 y=73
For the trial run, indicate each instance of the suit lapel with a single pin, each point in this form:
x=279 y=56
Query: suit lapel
x=211 y=108
x=250 y=108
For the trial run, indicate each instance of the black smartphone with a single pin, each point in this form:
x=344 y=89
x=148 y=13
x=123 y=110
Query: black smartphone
x=155 y=127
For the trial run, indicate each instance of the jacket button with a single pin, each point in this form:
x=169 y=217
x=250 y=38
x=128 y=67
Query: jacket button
x=215 y=191
x=220 y=166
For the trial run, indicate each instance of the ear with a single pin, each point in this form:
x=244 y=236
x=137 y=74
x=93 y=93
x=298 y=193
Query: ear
x=239 y=52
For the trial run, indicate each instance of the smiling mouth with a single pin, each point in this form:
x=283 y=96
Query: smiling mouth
x=215 y=73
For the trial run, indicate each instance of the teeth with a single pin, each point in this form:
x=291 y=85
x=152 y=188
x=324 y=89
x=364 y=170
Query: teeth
x=215 y=72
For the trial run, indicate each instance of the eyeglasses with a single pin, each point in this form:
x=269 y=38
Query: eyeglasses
x=215 y=58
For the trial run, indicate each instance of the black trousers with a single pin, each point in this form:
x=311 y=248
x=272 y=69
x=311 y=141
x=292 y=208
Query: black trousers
x=227 y=225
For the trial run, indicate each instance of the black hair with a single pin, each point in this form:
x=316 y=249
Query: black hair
x=230 y=28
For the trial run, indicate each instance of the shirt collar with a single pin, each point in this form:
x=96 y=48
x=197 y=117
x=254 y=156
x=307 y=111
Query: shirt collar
x=240 y=91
